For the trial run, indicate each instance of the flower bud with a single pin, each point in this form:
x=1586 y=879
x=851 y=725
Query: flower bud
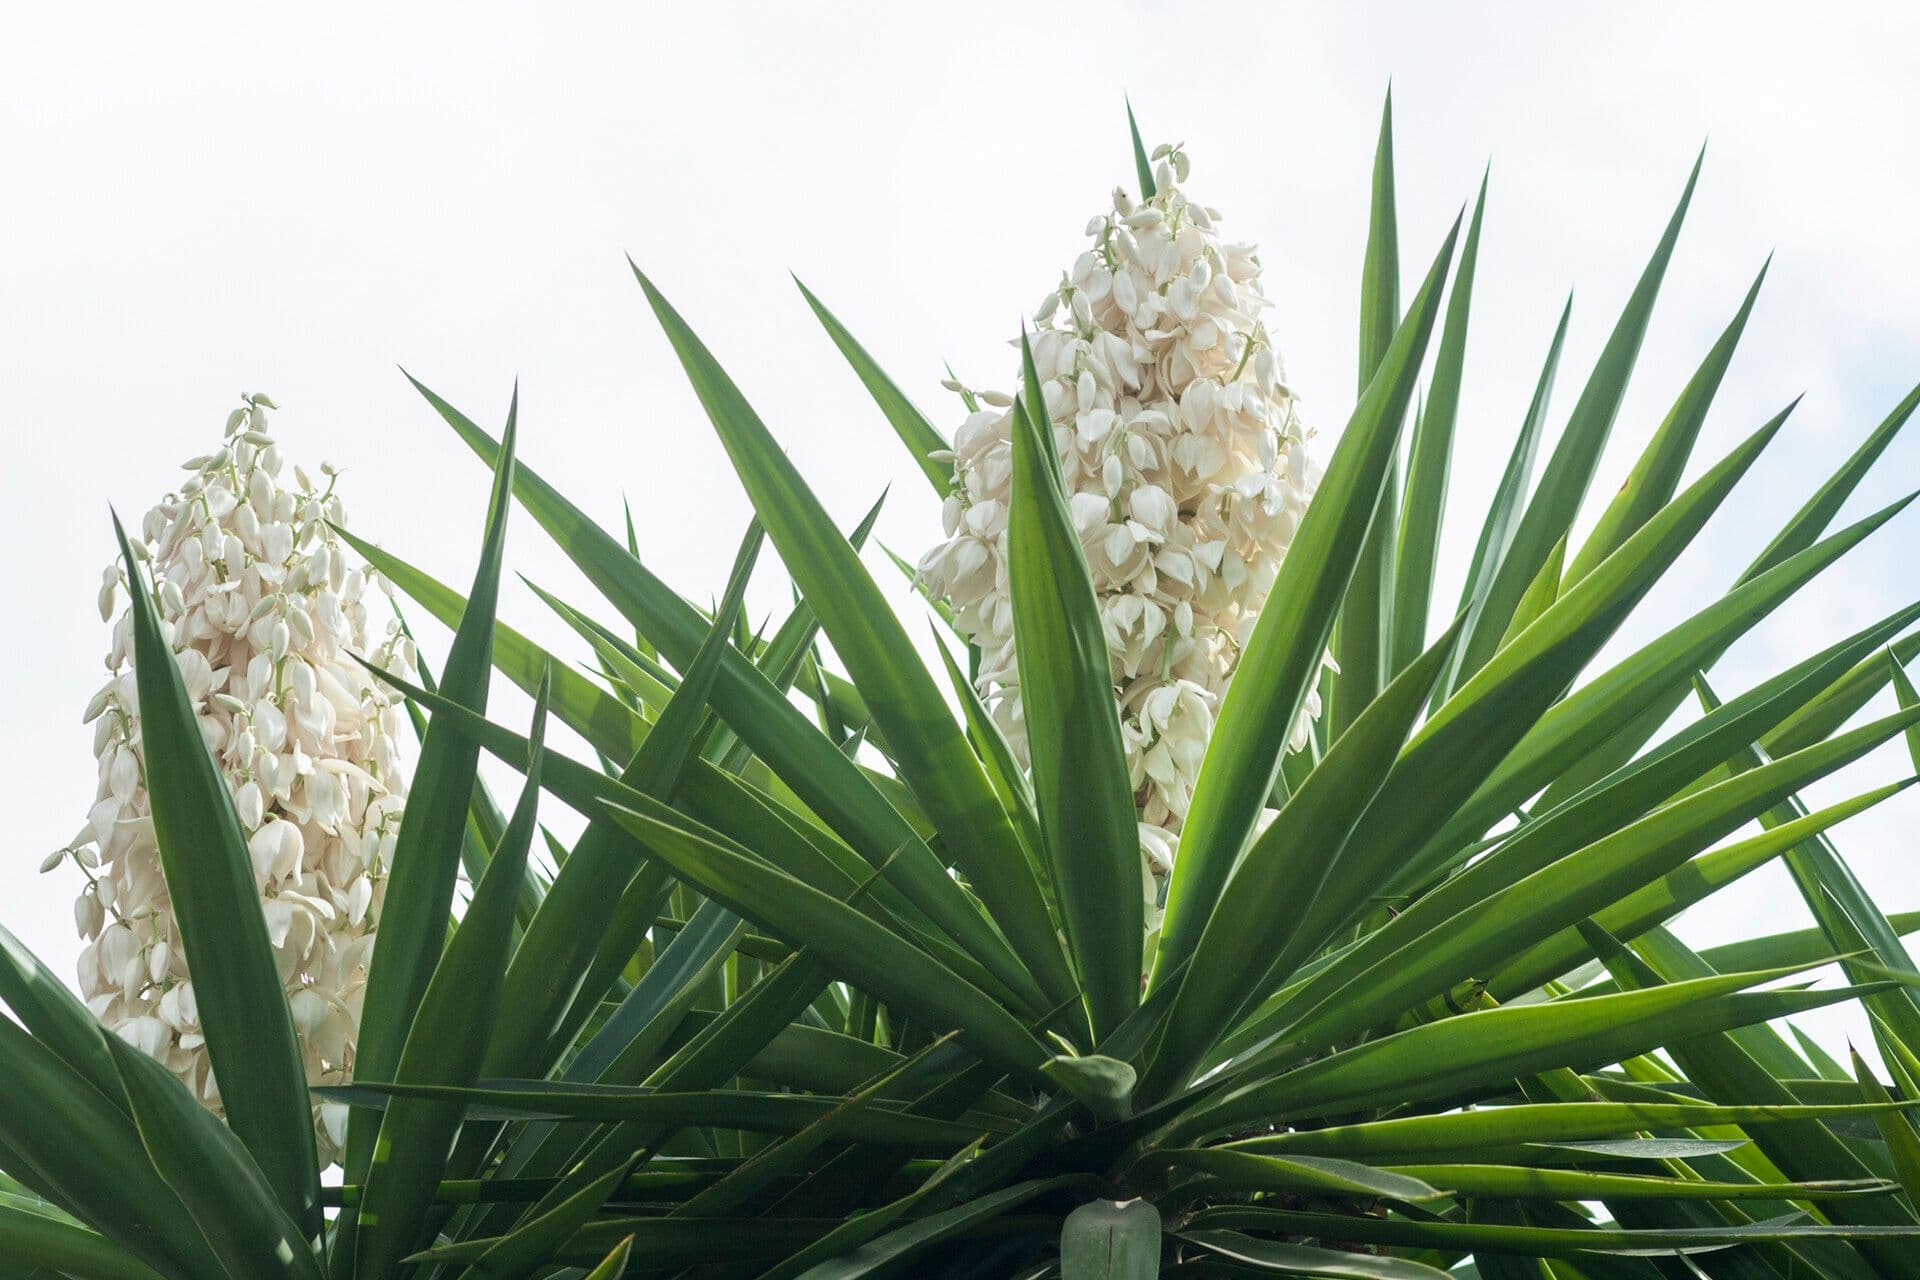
x=88 y=915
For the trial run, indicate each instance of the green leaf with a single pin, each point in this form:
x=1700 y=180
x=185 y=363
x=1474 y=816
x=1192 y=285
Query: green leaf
x=1496 y=1129
x=602 y=903
x=1104 y=1085
x=824 y=779
x=1660 y=900
x=1010 y=781
x=1793 y=947
x=1458 y=1055
x=794 y=1154
x=57 y=1020
x=922 y=438
x=1722 y=1062
x=1282 y=659
x=426 y=852
x=1541 y=594
x=31 y=1241
x=1089 y=827
x=223 y=1190
x=81 y=1147
x=1417 y=550
x=536 y=1242
x=1509 y=498
x=1656 y=475
x=1363 y=638
x=1142 y=169
x=1896 y=1130
x=750 y=1112
x=1306 y=1260
x=1819 y=510
x=672 y=1243
x=744 y=816
x=216 y=907
x=1638 y=788
x=1111 y=1240
x=596 y=715
x=1524 y=1182
x=1795 y=536
x=1245 y=1171
x=1564 y=482
x=1907 y=697
x=716 y=1053
x=1546 y=1242
x=1566 y=736
x=1839 y=902
x=851 y=1256
x=1276 y=881
x=931 y=752
x=446 y=1041
x=615 y=1265
x=853 y=943
x=640 y=1024
x=1835 y=704
x=1657 y=1149
x=1475 y=731
x=1522 y=911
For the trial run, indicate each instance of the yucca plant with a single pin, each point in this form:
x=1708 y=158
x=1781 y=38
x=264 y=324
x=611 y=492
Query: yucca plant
x=833 y=985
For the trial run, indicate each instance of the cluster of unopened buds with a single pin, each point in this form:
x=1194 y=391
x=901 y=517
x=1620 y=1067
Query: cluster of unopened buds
x=1186 y=468
x=265 y=616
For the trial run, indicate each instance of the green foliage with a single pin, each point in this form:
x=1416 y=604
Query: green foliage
x=831 y=986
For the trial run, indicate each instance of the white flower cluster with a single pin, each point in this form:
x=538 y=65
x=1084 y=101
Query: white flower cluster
x=263 y=612
x=1187 y=470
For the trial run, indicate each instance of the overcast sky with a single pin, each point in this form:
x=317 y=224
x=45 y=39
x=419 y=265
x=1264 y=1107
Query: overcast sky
x=204 y=199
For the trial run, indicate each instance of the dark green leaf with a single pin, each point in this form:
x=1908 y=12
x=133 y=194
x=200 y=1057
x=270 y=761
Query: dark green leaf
x=1364 y=636
x=1564 y=482
x=1111 y=1240
x=216 y=907
x=446 y=1041
x=931 y=752
x=1282 y=659
x=922 y=438
x=224 y=1192
x=1417 y=551
x=1307 y=1260
x=1089 y=826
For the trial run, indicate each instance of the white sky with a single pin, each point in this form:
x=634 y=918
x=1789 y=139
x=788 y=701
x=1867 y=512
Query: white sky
x=199 y=200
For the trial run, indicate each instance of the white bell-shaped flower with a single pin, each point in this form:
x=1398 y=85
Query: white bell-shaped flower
x=263 y=613
x=1186 y=470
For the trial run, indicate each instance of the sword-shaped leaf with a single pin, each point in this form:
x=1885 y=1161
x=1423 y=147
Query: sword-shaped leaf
x=216 y=907
x=1282 y=659
x=426 y=852
x=1569 y=472
x=1089 y=828
x=1363 y=638
x=446 y=1041
x=931 y=752
x=916 y=431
